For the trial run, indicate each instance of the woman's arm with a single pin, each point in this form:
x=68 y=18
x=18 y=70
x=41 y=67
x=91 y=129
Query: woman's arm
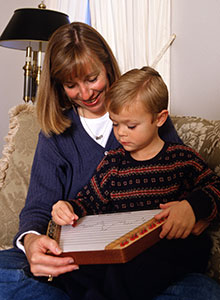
x=45 y=188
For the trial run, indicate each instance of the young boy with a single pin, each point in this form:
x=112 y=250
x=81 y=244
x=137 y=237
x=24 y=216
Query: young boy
x=148 y=173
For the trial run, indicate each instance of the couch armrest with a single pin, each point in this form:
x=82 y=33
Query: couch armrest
x=15 y=168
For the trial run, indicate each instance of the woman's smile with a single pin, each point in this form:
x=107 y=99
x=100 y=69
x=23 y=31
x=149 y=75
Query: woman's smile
x=92 y=101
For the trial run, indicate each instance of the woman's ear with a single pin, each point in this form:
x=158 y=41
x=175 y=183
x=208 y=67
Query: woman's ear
x=161 y=117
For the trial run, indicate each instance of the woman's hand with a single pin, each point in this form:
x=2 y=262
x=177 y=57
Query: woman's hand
x=43 y=264
x=180 y=219
x=63 y=213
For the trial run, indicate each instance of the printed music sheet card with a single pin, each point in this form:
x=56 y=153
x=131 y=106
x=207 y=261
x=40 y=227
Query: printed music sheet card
x=108 y=238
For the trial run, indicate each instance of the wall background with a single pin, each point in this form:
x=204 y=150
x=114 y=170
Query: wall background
x=195 y=58
x=195 y=61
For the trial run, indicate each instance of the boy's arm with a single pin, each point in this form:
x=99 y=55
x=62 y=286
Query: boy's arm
x=205 y=196
x=200 y=201
x=94 y=197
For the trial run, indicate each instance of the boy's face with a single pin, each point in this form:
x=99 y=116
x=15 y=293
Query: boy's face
x=137 y=132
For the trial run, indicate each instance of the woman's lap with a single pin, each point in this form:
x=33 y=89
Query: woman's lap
x=16 y=281
x=192 y=287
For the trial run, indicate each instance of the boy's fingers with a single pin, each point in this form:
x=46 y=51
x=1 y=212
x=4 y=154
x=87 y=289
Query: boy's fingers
x=161 y=215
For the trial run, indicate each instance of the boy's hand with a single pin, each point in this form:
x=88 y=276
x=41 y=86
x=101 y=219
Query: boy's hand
x=180 y=219
x=63 y=213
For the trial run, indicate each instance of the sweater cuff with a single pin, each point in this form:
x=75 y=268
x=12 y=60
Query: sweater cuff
x=77 y=209
x=201 y=204
x=19 y=242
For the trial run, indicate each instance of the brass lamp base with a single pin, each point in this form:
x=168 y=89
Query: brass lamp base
x=32 y=72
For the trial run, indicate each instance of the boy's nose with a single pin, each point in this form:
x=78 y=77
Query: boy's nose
x=121 y=131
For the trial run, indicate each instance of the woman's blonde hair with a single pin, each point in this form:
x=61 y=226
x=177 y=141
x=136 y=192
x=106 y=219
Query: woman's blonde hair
x=69 y=50
x=145 y=85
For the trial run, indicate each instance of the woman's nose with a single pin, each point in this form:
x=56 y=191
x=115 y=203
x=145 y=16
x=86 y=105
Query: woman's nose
x=84 y=92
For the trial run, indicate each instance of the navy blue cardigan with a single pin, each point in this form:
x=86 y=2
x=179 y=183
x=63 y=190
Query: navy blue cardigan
x=62 y=165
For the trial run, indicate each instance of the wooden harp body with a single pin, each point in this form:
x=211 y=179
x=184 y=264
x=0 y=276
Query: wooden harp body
x=108 y=238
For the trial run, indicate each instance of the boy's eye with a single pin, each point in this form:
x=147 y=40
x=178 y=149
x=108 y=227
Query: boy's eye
x=114 y=124
x=131 y=126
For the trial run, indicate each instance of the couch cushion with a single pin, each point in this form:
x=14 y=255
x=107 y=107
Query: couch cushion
x=15 y=167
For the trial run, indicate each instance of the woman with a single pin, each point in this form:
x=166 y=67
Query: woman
x=79 y=67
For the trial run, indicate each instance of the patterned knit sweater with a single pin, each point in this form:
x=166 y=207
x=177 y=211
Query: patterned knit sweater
x=177 y=172
x=62 y=165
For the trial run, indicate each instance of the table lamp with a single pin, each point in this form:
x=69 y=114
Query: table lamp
x=29 y=29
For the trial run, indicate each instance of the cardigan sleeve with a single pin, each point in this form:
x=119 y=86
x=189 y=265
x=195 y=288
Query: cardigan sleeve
x=47 y=184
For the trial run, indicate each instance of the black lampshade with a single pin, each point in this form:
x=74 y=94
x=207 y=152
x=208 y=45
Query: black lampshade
x=29 y=26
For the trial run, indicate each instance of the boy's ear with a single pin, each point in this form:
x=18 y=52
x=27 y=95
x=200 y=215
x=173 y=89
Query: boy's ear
x=162 y=117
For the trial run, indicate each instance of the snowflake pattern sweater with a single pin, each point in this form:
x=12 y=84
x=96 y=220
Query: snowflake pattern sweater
x=122 y=184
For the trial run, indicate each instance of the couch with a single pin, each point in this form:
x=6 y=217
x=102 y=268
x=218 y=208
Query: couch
x=15 y=166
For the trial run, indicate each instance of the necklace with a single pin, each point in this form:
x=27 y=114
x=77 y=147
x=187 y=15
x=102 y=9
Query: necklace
x=96 y=125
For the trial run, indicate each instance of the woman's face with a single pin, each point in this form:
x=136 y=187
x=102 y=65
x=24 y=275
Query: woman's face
x=88 y=92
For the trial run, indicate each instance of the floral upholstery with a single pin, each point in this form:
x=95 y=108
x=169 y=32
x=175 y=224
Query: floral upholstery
x=17 y=157
x=204 y=137
x=15 y=167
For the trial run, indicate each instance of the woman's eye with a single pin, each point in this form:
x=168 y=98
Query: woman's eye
x=93 y=79
x=69 y=85
x=114 y=124
x=132 y=126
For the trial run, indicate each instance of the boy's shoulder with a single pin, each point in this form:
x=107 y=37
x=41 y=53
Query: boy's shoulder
x=112 y=158
x=118 y=152
x=182 y=148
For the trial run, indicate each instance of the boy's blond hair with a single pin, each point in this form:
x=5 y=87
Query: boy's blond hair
x=145 y=85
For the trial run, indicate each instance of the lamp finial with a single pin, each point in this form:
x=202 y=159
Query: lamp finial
x=42 y=5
